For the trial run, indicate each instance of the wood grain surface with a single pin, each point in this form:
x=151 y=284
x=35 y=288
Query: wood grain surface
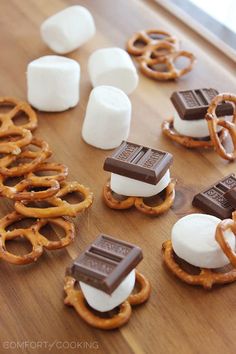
x=178 y=318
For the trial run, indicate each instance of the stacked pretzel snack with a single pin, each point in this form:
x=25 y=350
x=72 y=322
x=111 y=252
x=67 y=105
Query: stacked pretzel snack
x=24 y=156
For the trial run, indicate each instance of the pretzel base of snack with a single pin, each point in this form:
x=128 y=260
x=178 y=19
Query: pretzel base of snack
x=213 y=121
x=191 y=143
x=138 y=202
x=33 y=235
x=205 y=278
x=76 y=299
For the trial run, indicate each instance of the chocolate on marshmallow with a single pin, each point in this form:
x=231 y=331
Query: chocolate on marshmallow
x=138 y=170
x=106 y=272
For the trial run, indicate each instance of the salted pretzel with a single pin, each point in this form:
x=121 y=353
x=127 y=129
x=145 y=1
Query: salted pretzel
x=21 y=190
x=59 y=207
x=7 y=118
x=147 y=63
x=35 y=157
x=205 y=278
x=192 y=143
x=140 y=41
x=223 y=226
x=76 y=299
x=138 y=202
x=213 y=121
x=33 y=235
x=12 y=144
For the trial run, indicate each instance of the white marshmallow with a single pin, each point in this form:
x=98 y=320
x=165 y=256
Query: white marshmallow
x=53 y=83
x=114 y=67
x=193 y=239
x=68 y=29
x=101 y=301
x=107 y=118
x=131 y=187
x=192 y=128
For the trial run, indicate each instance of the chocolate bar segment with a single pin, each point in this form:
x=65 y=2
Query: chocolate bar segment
x=230 y=195
x=213 y=200
x=106 y=262
x=193 y=104
x=139 y=162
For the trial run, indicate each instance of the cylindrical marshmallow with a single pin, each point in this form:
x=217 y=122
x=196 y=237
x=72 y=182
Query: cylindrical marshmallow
x=114 y=67
x=107 y=118
x=68 y=29
x=131 y=187
x=192 y=128
x=53 y=83
x=101 y=301
x=193 y=239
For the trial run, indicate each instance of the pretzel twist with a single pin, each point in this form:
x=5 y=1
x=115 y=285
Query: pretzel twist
x=51 y=183
x=59 y=207
x=223 y=226
x=191 y=143
x=13 y=145
x=213 y=121
x=7 y=119
x=22 y=168
x=33 y=235
x=149 y=39
x=206 y=278
x=76 y=299
x=138 y=202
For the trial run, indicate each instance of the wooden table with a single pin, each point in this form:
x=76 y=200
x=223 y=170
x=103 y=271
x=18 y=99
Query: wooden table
x=178 y=318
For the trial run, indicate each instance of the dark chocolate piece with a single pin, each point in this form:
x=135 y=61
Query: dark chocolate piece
x=139 y=162
x=106 y=262
x=193 y=104
x=230 y=195
x=213 y=201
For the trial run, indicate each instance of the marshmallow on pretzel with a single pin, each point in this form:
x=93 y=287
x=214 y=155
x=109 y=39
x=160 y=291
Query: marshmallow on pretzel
x=193 y=240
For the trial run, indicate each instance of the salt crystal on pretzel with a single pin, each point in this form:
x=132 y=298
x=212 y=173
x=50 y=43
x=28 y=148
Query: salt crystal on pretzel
x=53 y=83
x=107 y=119
x=113 y=67
x=68 y=29
x=193 y=239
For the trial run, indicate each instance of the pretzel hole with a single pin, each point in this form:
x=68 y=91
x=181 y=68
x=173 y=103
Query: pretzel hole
x=118 y=197
x=154 y=200
x=45 y=173
x=12 y=181
x=21 y=224
x=10 y=138
x=158 y=52
x=20 y=118
x=19 y=246
x=181 y=62
x=32 y=147
x=37 y=188
x=6 y=107
x=160 y=67
x=20 y=161
x=42 y=204
x=73 y=197
x=52 y=232
x=157 y=36
x=140 y=43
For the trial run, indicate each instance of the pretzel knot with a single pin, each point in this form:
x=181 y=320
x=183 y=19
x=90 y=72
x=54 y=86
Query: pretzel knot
x=155 y=48
x=7 y=118
x=33 y=235
x=76 y=299
x=213 y=121
x=138 y=202
x=140 y=41
x=24 y=166
x=206 y=277
x=191 y=143
x=21 y=191
x=58 y=206
x=223 y=226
